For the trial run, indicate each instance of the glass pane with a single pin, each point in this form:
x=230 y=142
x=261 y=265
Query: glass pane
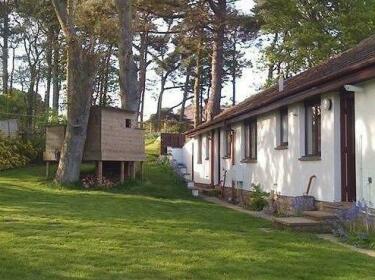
x=284 y=127
x=247 y=142
x=309 y=130
x=253 y=141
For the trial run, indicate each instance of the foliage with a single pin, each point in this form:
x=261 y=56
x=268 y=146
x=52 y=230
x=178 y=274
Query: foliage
x=258 y=198
x=356 y=226
x=14 y=106
x=302 y=34
x=17 y=152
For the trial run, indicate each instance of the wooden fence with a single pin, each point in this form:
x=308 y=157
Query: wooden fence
x=174 y=140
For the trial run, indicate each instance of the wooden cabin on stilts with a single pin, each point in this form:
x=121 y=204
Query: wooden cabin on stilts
x=114 y=142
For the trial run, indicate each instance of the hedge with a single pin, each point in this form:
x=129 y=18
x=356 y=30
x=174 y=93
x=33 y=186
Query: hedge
x=17 y=153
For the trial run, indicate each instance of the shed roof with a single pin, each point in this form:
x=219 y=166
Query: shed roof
x=353 y=60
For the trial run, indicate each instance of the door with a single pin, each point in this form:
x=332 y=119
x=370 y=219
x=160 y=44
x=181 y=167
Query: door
x=212 y=158
x=348 y=169
x=192 y=162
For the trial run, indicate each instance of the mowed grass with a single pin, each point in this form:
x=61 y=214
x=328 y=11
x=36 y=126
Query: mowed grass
x=150 y=230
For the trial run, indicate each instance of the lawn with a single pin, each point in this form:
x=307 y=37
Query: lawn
x=150 y=230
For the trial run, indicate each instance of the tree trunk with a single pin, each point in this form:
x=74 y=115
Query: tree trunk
x=142 y=75
x=81 y=72
x=30 y=101
x=213 y=106
x=271 y=66
x=56 y=75
x=128 y=69
x=197 y=88
x=160 y=101
x=234 y=70
x=5 y=48
x=36 y=93
x=13 y=68
x=185 y=96
x=49 y=69
x=81 y=67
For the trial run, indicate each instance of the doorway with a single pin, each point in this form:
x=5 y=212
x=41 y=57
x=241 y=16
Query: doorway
x=348 y=166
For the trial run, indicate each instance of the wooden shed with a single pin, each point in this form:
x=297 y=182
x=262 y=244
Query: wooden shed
x=112 y=136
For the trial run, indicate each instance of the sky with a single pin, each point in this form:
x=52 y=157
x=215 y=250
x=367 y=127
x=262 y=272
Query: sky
x=253 y=78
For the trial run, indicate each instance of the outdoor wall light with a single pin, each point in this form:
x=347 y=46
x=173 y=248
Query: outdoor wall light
x=327 y=104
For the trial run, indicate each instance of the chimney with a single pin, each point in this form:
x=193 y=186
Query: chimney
x=281 y=82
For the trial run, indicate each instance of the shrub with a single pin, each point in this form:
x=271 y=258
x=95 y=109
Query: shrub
x=258 y=198
x=16 y=152
x=356 y=226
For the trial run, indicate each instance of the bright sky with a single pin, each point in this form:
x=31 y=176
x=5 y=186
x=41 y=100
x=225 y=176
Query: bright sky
x=252 y=79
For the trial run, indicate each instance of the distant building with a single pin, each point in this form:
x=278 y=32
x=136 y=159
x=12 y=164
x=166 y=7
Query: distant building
x=9 y=128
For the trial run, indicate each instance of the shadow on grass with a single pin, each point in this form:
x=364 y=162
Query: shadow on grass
x=150 y=230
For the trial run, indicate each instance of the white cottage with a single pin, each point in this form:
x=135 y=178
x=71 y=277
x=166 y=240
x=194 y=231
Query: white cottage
x=318 y=126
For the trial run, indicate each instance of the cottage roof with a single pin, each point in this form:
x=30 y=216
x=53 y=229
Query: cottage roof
x=331 y=75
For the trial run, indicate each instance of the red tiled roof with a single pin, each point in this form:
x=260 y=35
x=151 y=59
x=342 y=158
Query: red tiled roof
x=359 y=57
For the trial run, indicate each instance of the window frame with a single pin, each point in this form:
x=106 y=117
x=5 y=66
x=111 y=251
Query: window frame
x=128 y=123
x=314 y=103
x=199 y=150
x=207 y=148
x=228 y=142
x=284 y=113
x=248 y=136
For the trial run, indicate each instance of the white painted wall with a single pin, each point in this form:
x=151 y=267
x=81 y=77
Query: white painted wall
x=281 y=170
x=365 y=142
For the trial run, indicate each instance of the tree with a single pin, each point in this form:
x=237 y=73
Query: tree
x=128 y=69
x=5 y=8
x=81 y=70
x=219 y=9
x=301 y=34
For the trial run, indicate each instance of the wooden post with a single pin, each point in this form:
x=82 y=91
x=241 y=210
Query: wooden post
x=47 y=168
x=141 y=166
x=99 y=172
x=133 y=170
x=122 y=175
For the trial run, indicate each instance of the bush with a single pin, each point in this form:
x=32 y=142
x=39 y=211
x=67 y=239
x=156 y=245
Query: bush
x=16 y=152
x=258 y=198
x=356 y=226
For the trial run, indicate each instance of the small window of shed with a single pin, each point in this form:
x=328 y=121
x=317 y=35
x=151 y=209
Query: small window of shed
x=128 y=123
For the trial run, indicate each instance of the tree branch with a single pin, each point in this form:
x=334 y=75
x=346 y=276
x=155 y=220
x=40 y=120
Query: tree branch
x=179 y=104
x=63 y=17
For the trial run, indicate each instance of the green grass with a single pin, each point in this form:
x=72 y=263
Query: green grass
x=150 y=230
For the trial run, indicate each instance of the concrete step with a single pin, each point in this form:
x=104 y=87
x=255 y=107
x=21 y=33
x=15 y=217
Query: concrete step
x=320 y=215
x=337 y=206
x=182 y=170
x=301 y=224
x=190 y=184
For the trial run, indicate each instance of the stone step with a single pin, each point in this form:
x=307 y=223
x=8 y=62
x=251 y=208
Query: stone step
x=190 y=184
x=337 y=206
x=301 y=224
x=183 y=170
x=320 y=215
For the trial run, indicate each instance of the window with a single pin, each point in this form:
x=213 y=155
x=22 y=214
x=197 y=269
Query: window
x=228 y=143
x=128 y=123
x=207 y=147
x=313 y=128
x=284 y=127
x=199 y=149
x=251 y=140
